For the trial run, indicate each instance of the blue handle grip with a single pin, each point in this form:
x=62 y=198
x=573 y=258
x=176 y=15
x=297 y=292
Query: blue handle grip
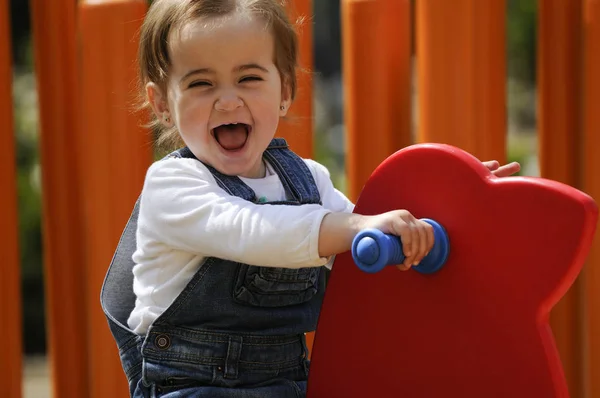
x=372 y=250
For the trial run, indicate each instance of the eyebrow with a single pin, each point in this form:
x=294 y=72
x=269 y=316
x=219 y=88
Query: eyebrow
x=240 y=68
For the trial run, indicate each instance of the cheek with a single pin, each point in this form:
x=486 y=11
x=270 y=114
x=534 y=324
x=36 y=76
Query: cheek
x=268 y=105
x=268 y=113
x=195 y=108
x=193 y=119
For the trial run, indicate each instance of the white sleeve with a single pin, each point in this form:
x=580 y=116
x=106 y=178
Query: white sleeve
x=331 y=197
x=183 y=207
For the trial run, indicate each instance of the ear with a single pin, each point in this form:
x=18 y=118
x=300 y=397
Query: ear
x=159 y=103
x=286 y=98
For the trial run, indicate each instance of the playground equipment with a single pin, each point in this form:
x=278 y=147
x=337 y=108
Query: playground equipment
x=84 y=60
x=478 y=326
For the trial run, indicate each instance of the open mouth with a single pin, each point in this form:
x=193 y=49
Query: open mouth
x=232 y=137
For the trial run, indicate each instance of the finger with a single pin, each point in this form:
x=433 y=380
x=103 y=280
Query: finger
x=430 y=238
x=422 y=230
x=507 y=169
x=416 y=238
x=402 y=267
x=491 y=164
x=407 y=238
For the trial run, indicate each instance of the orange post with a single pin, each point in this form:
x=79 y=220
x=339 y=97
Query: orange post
x=10 y=297
x=559 y=93
x=461 y=75
x=56 y=69
x=297 y=128
x=117 y=154
x=376 y=76
x=591 y=184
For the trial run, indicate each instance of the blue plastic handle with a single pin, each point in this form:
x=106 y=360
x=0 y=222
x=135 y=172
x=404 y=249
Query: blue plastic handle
x=372 y=250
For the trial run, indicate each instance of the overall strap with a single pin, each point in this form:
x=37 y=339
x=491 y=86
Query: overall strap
x=293 y=171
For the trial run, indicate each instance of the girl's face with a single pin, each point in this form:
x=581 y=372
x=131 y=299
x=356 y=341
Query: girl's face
x=225 y=95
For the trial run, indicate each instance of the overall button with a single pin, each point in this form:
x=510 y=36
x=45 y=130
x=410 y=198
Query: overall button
x=162 y=341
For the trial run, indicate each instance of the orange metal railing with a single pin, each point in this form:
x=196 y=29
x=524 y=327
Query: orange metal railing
x=559 y=137
x=461 y=75
x=119 y=152
x=10 y=292
x=297 y=129
x=591 y=184
x=376 y=73
x=54 y=34
x=93 y=151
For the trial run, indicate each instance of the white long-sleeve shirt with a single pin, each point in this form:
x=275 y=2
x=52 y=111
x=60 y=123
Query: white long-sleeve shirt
x=184 y=217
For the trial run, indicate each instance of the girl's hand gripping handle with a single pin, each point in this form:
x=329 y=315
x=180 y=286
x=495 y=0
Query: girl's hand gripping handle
x=372 y=250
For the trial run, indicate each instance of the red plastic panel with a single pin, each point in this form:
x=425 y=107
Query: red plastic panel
x=478 y=327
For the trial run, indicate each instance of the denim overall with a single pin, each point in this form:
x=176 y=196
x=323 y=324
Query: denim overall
x=236 y=330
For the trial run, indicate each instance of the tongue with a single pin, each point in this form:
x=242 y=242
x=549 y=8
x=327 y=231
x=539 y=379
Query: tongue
x=231 y=137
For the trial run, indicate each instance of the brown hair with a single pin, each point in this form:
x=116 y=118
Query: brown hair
x=164 y=16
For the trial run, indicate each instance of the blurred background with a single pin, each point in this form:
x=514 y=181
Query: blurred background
x=329 y=141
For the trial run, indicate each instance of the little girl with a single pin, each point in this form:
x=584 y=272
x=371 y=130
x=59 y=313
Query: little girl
x=226 y=246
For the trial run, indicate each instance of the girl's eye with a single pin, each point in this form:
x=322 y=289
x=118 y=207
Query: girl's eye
x=199 y=84
x=250 y=79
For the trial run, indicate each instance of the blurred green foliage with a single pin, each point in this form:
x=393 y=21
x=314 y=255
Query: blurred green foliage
x=29 y=202
x=521 y=29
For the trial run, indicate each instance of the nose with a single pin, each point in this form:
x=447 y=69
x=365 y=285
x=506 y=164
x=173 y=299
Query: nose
x=228 y=101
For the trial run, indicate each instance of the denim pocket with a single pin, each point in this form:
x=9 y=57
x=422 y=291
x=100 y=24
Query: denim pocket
x=275 y=287
x=185 y=386
x=176 y=386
